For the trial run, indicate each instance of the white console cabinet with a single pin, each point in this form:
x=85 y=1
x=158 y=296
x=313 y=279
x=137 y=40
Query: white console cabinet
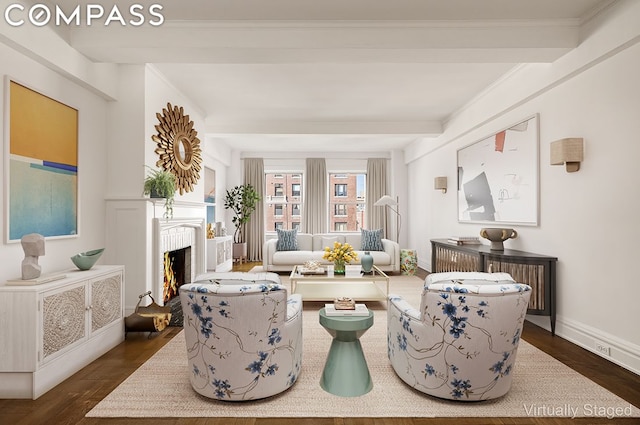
x=52 y=330
x=219 y=252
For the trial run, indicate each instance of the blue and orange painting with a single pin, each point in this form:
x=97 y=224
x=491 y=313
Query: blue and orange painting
x=43 y=165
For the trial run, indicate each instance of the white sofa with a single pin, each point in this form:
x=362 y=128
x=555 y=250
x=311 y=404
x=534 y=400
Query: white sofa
x=311 y=247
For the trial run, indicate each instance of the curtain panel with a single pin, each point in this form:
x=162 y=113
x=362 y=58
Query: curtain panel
x=254 y=175
x=376 y=188
x=315 y=196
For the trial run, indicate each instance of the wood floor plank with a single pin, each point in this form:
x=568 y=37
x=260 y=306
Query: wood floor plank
x=69 y=402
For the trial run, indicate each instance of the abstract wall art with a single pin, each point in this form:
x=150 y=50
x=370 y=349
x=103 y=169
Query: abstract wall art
x=498 y=177
x=41 y=165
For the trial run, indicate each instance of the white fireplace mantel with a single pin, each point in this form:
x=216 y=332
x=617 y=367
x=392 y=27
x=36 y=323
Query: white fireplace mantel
x=173 y=234
x=133 y=227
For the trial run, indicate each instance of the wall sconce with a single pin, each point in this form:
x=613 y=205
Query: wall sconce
x=440 y=183
x=569 y=152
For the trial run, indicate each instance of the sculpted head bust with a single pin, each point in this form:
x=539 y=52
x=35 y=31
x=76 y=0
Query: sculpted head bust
x=33 y=247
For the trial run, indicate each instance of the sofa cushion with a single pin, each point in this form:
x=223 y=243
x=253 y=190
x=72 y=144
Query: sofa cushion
x=287 y=240
x=353 y=240
x=281 y=258
x=372 y=240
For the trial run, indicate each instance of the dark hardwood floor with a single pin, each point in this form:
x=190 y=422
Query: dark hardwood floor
x=71 y=400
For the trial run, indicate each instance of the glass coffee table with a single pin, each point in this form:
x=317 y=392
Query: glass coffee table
x=373 y=286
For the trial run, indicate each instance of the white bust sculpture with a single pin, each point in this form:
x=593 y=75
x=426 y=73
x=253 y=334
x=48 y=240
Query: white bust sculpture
x=33 y=247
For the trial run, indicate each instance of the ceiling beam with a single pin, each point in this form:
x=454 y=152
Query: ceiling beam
x=421 y=128
x=290 y=42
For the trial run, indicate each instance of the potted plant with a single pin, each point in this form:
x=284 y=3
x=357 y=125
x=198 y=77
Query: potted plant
x=242 y=200
x=161 y=184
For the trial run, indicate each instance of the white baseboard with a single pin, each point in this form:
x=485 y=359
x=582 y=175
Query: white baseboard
x=621 y=352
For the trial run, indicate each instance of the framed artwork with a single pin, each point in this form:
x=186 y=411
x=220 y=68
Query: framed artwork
x=41 y=165
x=498 y=177
x=210 y=194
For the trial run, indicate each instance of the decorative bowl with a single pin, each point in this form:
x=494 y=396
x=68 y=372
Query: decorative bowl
x=497 y=236
x=86 y=260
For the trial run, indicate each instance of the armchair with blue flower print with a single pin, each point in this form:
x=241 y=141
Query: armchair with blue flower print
x=462 y=343
x=244 y=341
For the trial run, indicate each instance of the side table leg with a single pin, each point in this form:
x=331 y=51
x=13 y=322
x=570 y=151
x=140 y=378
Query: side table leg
x=346 y=373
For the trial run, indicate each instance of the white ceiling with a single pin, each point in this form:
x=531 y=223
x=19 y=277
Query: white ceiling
x=314 y=75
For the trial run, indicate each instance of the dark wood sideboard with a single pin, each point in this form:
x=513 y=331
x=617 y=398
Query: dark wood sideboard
x=537 y=271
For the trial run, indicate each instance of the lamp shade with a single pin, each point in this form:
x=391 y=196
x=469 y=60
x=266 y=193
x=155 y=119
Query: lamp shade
x=385 y=200
x=568 y=151
x=440 y=183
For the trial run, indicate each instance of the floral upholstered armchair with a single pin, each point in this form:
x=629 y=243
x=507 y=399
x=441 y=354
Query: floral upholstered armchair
x=244 y=341
x=462 y=343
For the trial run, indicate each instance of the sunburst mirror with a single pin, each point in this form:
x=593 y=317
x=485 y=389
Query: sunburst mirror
x=178 y=147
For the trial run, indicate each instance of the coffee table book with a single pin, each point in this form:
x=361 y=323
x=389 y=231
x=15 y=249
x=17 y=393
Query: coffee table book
x=35 y=281
x=360 y=310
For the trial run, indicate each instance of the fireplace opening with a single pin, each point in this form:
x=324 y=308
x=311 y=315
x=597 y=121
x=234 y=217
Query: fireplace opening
x=177 y=272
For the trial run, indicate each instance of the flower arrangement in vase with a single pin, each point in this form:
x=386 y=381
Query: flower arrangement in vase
x=340 y=254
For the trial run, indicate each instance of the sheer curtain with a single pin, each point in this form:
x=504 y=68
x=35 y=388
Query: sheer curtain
x=376 y=188
x=254 y=175
x=315 y=197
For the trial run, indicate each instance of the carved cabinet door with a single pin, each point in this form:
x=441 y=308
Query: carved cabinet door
x=106 y=301
x=63 y=319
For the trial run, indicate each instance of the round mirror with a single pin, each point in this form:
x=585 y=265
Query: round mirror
x=182 y=152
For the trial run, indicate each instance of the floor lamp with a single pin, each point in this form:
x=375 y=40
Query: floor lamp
x=388 y=202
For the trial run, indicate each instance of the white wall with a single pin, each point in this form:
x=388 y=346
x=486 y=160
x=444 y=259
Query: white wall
x=92 y=171
x=588 y=219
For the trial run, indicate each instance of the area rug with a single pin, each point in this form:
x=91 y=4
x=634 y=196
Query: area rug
x=542 y=386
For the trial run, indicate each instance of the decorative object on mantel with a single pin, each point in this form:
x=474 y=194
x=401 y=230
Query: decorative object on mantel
x=340 y=255
x=178 y=147
x=366 y=262
x=568 y=151
x=210 y=232
x=161 y=184
x=440 y=183
x=497 y=236
x=86 y=260
x=33 y=247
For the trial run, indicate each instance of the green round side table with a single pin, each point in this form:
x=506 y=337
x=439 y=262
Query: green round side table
x=346 y=373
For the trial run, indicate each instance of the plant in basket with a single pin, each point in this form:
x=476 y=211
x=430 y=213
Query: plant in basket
x=340 y=254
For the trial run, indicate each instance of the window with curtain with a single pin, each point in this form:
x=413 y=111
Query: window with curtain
x=347 y=202
x=283 y=206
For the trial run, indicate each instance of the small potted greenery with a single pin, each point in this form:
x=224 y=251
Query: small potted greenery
x=242 y=200
x=161 y=184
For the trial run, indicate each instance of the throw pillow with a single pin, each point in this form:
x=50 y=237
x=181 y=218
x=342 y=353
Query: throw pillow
x=328 y=241
x=371 y=240
x=287 y=240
